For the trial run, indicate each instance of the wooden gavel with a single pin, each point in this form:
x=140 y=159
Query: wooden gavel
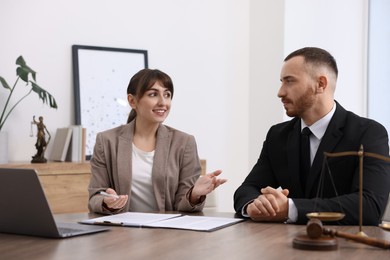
x=315 y=230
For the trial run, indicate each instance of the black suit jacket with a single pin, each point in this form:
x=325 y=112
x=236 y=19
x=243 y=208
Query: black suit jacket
x=278 y=166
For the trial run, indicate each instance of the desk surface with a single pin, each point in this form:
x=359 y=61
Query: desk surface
x=246 y=240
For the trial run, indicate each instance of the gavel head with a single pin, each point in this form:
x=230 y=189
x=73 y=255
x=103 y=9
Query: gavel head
x=314 y=228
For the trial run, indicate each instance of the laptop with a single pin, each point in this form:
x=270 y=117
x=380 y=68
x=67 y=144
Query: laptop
x=24 y=209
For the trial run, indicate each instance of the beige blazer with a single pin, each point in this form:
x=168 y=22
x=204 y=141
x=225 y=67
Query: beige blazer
x=176 y=167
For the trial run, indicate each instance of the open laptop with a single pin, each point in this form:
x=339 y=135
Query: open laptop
x=24 y=209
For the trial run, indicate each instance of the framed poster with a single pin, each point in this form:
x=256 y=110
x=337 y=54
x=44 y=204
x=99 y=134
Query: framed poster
x=100 y=77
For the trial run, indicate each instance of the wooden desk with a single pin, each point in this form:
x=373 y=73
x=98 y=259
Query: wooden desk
x=246 y=240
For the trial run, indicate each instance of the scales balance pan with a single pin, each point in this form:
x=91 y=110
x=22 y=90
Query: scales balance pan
x=385 y=226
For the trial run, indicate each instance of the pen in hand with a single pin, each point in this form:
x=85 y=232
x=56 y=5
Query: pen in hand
x=108 y=195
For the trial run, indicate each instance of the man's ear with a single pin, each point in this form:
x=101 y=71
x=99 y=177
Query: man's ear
x=322 y=84
x=132 y=101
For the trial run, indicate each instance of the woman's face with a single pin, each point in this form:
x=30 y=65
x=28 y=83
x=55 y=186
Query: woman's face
x=154 y=105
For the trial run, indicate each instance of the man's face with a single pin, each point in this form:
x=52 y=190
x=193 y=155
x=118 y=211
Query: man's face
x=297 y=91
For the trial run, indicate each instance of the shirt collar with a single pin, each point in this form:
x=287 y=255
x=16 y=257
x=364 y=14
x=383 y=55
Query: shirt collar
x=318 y=128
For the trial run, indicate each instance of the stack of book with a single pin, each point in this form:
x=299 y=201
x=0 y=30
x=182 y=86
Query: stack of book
x=69 y=144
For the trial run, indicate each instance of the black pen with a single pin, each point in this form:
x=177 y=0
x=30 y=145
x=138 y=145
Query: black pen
x=108 y=223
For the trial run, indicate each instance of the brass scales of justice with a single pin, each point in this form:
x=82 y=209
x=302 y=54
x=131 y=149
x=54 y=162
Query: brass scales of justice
x=317 y=236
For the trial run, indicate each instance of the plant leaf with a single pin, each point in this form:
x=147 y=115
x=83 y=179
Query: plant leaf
x=23 y=70
x=22 y=73
x=4 y=83
x=44 y=95
x=20 y=61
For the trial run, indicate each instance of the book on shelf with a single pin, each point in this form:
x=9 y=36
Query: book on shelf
x=61 y=144
x=83 y=143
x=69 y=144
x=76 y=143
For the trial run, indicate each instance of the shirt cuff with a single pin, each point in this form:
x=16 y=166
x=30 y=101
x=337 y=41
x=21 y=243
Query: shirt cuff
x=201 y=198
x=292 y=212
x=243 y=210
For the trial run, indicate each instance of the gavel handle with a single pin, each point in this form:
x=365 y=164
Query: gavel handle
x=365 y=240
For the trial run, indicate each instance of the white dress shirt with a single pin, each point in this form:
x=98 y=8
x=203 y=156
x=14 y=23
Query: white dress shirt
x=318 y=130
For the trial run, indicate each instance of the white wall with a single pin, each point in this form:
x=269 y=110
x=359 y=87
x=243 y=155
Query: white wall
x=224 y=57
x=341 y=28
x=266 y=55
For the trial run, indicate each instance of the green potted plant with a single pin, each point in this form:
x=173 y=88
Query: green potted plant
x=23 y=73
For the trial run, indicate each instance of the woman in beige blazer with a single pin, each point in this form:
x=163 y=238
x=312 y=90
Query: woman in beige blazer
x=145 y=165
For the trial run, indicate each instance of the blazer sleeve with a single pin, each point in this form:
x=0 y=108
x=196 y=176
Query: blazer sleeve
x=260 y=176
x=100 y=178
x=190 y=170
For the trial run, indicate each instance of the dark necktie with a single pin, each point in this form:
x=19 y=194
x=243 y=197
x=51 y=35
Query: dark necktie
x=305 y=155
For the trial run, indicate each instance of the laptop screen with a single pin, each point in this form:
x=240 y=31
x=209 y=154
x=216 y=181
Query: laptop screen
x=24 y=207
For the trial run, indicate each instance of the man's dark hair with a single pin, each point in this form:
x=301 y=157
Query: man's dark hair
x=315 y=56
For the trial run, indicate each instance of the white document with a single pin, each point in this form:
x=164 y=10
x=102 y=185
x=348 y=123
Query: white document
x=198 y=223
x=131 y=219
x=159 y=220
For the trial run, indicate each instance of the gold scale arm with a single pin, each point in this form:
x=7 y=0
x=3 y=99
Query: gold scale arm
x=361 y=154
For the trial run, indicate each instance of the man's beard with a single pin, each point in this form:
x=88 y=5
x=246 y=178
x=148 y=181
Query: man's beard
x=302 y=104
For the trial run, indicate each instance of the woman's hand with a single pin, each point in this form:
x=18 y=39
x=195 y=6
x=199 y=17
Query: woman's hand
x=114 y=203
x=205 y=184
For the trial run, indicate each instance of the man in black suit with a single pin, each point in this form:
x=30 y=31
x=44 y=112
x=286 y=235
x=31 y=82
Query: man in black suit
x=276 y=188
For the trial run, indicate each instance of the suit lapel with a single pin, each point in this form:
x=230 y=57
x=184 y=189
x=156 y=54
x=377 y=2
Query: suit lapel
x=159 y=170
x=331 y=138
x=124 y=158
x=293 y=147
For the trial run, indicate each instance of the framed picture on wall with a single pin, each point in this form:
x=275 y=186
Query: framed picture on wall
x=100 y=78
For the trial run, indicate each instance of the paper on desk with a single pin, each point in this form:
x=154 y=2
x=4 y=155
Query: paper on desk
x=159 y=220
x=133 y=219
x=197 y=223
